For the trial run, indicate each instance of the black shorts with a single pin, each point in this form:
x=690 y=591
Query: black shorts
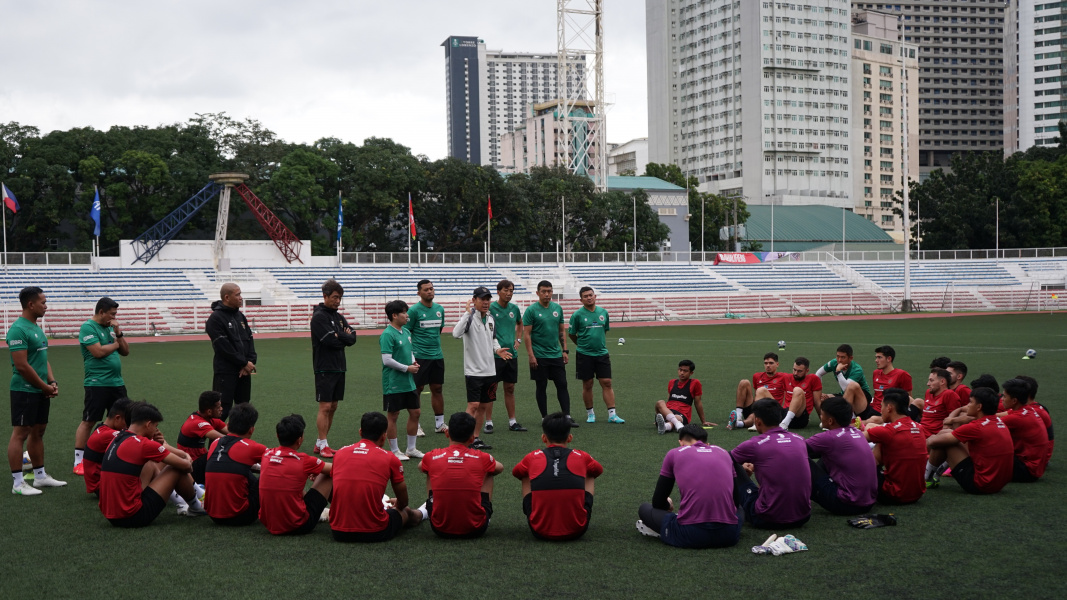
x=199 y=469
x=799 y=421
x=151 y=506
x=507 y=370
x=487 y=505
x=867 y=412
x=314 y=504
x=963 y=474
x=549 y=369
x=329 y=386
x=431 y=370
x=588 y=367
x=246 y=517
x=396 y=523
x=681 y=417
x=478 y=389
x=527 y=508
x=98 y=400
x=402 y=401
x=29 y=409
x=1021 y=473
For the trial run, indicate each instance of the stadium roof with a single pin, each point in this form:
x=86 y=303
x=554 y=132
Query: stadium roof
x=810 y=225
x=623 y=182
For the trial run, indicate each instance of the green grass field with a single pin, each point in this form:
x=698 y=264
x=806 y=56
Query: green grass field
x=949 y=544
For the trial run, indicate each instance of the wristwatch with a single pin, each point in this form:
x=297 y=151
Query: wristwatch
x=566 y=351
x=119 y=335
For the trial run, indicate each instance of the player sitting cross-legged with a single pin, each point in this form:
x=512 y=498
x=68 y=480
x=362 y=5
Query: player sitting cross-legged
x=284 y=507
x=683 y=395
x=767 y=384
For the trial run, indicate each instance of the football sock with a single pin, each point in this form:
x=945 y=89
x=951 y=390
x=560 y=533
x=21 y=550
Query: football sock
x=411 y=442
x=511 y=422
x=611 y=412
x=930 y=470
x=422 y=510
x=668 y=426
x=438 y=421
x=196 y=505
x=590 y=412
x=16 y=478
x=176 y=499
x=871 y=444
x=740 y=414
x=394 y=445
x=787 y=420
x=78 y=454
x=38 y=472
x=320 y=444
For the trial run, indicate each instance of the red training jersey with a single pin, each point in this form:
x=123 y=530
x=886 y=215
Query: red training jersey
x=904 y=456
x=682 y=394
x=99 y=440
x=989 y=444
x=897 y=378
x=282 y=478
x=229 y=465
x=455 y=476
x=810 y=384
x=776 y=384
x=1047 y=420
x=191 y=436
x=1029 y=438
x=964 y=394
x=360 y=474
x=936 y=409
x=120 y=473
x=557 y=490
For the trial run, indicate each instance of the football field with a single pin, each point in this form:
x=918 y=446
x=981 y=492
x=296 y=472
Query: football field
x=949 y=544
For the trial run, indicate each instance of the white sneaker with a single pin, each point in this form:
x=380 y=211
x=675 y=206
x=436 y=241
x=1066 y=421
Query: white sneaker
x=191 y=511
x=646 y=530
x=661 y=424
x=325 y=516
x=442 y=429
x=25 y=489
x=47 y=481
x=753 y=428
x=413 y=453
x=199 y=492
x=400 y=455
x=420 y=433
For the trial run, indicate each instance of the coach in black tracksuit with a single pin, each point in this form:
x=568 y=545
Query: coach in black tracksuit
x=235 y=351
x=330 y=335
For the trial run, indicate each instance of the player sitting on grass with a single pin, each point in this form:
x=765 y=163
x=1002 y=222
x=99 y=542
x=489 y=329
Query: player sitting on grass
x=959 y=416
x=1028 y=433
x=98 y=442
x=844 y=480
x=938 y=402
x=203 y=425
x=459 y=482
x=360 y=473
x=683 y=395
x=557 y=483
x=805 y=397
x=708 y=515
x=284 y=508
x=767 y=384
x=233 y=498
x=899 y=447
x=980 y=453
x=780 y=460
x=854 y=386
x=140 y=470
x=957 y=370
x=887 y=376
x=1031 y=401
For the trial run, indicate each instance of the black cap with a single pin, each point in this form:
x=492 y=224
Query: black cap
x=482 y=292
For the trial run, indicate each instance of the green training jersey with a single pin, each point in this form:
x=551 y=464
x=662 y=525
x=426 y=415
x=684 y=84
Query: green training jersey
x=27 y=335
x=506 y=317
x=589 y=326
x=544 y=325
x=853 y=372
x=99 y=372
x=397 y=343
x=425 y=325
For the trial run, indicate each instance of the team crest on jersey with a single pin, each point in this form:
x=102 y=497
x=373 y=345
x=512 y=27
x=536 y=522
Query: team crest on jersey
x=162 y=448
x=511 y=315
x=439 y=313
x=555 y=314
x=601 y=318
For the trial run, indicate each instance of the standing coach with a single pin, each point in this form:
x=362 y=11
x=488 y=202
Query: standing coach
x=235 y=351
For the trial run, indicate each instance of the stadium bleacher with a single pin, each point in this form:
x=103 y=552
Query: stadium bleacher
x=936 y=274
x=783 y=276
x=388 y=280
x=74 y=284
x=648 y=279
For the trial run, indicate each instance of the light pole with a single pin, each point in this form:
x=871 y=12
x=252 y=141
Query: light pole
x=635 y=230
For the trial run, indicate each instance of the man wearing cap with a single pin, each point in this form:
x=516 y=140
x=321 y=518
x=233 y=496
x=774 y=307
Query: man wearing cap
x=477 y=328
x=102 y=343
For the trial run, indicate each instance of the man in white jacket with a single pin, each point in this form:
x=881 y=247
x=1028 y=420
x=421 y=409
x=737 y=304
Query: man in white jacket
x=477 y=328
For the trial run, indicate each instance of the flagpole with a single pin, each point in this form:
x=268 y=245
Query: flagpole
x=489 y=241
x=4 y=208
x=410 y=230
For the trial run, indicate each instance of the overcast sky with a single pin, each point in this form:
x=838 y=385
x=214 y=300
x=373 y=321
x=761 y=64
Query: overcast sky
x=306 y=70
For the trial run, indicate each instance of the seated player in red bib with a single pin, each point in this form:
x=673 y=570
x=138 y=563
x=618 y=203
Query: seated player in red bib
x=202 y=426
x=1042 y=411
x=360 y=474
x=284 y=508
x=979 y=453
x=767 y=384
x=1028 y=433
x=805 y=397
x=232 y=496
x=140 y=470
x=557 y=483
x=683 y=395
x=99 y=440
x=459 y=481
x=900 y=450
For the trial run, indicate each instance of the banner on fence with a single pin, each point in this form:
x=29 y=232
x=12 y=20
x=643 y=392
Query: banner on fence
x=736 y=258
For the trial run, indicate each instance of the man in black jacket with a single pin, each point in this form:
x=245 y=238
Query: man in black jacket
x=235 y=351
x=330 y=335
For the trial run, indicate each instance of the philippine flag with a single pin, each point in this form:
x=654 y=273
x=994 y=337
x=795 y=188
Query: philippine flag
x=9 y=199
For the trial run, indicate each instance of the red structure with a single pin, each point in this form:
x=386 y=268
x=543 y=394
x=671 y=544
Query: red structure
x=285 y=239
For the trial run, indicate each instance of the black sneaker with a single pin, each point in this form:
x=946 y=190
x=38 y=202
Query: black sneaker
x=516 y=427
x=572 y=421
x=488 y=428
x=478 y=444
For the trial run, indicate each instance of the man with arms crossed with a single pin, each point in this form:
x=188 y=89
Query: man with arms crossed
x=476 y=328
x=546 y=347
x=425 y=321
x=979 y=453
x=32 y=388
x=588 y=325
x=233 y=496
x=101 y=343
x=805 y=397
x=508 y=319
x=683 y=395
x=767 y=384
x=398 y=385
x=284 y=508
x=844 y=479
x=235 y=350
x=899 y=447
x=330 y=335
x=708 y=515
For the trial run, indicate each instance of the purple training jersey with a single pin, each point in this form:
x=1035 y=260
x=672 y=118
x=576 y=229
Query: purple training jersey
x=705 y=478
x=781 y=461
x=849 y=461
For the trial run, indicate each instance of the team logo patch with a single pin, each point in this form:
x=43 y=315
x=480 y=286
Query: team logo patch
x=162 y=448
x=511 y=315
x=601 y=318
x=439 y=313
x=555 y=314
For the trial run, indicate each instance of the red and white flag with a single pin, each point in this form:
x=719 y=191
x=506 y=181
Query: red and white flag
x=490 y=206
x=411 y=216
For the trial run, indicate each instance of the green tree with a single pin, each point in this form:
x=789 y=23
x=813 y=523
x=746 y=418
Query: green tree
x=717 y=211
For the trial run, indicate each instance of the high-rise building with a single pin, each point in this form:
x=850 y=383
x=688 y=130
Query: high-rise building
x=1035 y=82
x=538 y=143
x=884 y=70
x=488 y=92
x=752 y=97
x=961 y=74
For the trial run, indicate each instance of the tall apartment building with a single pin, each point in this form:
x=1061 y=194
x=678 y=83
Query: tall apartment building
x=883 y=71
x=537 y=141
x=961 y=74
x=1035 y=73
x=488 y=91
x=752 y=96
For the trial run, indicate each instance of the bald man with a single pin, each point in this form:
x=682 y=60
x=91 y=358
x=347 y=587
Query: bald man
x=235 y=351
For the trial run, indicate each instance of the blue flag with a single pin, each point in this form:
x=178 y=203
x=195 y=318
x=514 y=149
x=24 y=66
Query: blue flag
x=340 y=217
x=94 y=213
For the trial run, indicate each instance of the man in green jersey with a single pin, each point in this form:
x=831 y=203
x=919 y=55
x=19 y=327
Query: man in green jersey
x=102 y=342
x=32 y=388
x=508 y=319
x=426 y=319
x=398 y=385
x=587 y=328
x=854 y=386
x=545 y=333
